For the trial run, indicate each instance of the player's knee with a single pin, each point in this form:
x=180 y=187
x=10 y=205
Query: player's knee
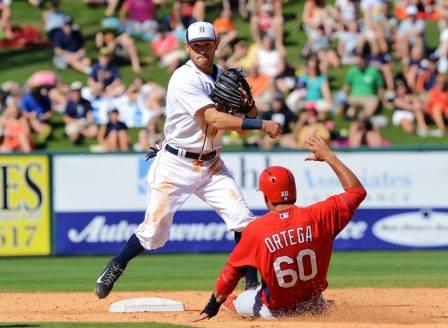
x=245 y=303
x=151 y=240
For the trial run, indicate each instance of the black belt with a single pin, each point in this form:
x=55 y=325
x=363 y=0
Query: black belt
x=202 y=157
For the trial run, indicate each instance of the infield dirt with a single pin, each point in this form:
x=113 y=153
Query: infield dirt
x=363 y=307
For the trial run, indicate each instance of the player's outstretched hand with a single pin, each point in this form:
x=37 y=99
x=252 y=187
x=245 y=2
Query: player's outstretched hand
x=211 y=309
x=201 y=317
x=273 y=129
x=319 y=148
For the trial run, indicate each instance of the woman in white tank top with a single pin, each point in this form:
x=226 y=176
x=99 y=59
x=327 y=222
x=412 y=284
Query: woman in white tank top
x=270 y=60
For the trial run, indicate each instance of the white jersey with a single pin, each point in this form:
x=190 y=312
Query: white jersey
x=189 y=91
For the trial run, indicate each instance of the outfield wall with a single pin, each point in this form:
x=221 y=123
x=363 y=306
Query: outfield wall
x=97 y=201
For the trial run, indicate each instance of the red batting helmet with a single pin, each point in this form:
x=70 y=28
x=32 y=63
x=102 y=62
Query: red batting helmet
x=278 y=185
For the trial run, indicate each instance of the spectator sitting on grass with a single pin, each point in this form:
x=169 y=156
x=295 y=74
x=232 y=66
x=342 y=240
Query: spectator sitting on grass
x=187 y=12
x=375 y=23
x=410 y=36
x=114 y=135
x=262 y=87
x=268 y=19
x=54 y=19
x=56 y=88
x=16 y=131
x=270 y=60
x=317 y=86
x=149 y=97
x=122 y=47
x=280 y=113
x=364 y=133
x=226 y=32
x=5 y=19
x=68 y=46
x=244 y=55
x=138 y=17
x=104 y=81
x=10 y=91
x=167 y=49
x=426 y=76
x=307 y=125
x=346 y=12
x=36 y=108
x=364 y=86
x=437 y=105
x=383 y=62
x=314 y=16
x=407 y=109
x=150 y=136
x=78 y=116
x=320 y=45
x=349 y=40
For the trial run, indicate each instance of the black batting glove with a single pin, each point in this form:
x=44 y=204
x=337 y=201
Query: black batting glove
x=212 y=307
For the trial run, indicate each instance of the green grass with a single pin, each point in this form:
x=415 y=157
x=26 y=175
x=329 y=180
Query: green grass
x=157 y=272
x=199 y=272
x=389 y=269
x=19 y=64
x=89 y=325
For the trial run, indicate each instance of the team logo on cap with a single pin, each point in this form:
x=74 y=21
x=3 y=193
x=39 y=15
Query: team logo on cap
x=201 y=29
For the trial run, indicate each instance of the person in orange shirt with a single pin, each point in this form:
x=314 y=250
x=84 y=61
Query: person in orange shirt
x=262 y=87
x=226 y=31
x=17 y=133
x=437 y=105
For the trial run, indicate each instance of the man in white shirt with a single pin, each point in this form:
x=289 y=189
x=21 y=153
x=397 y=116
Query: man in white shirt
x=410 y=36
x=189 y=162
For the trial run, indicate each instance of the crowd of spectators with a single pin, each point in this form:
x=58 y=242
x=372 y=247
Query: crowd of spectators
x=371 y=38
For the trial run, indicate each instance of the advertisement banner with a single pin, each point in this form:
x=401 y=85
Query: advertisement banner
x=106 y=232
x=98 y=197
x=392 y=179
x=204 y=231
x=25 y=206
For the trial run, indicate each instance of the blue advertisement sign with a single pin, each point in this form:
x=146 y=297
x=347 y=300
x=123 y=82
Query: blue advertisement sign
x=107 y=232
x=388 y=229
x=203 y=231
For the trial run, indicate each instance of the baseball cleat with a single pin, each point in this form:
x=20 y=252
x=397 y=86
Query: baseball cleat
x=228 y=305
x=106 y=280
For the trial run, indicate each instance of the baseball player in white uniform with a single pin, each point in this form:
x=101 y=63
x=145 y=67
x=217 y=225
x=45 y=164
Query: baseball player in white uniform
x=189 y=162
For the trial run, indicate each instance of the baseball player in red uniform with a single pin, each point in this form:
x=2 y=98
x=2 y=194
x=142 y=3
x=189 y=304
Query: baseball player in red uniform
x=290 y=246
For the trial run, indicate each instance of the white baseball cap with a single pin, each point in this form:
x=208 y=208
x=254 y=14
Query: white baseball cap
x=200 y=31
x=76 y=85
x=411 y=10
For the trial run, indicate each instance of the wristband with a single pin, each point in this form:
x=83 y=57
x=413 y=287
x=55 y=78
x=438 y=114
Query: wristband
x=212 y=307
x=252 y=124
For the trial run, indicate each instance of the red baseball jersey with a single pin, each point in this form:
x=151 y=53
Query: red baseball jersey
x=292 y=248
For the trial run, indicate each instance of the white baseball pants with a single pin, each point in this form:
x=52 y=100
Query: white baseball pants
x=172 y=179
x=248 y=304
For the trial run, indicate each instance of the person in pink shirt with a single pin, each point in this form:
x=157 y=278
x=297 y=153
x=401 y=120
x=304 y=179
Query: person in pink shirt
x=167 y=49
x=139 y=16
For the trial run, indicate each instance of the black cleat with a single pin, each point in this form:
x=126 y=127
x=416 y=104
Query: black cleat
x=106 y=280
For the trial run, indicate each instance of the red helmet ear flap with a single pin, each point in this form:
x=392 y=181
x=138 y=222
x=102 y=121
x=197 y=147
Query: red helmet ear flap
x=278 y=185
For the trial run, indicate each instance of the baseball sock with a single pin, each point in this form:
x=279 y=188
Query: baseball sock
x=250 y=273
x=132 y=249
